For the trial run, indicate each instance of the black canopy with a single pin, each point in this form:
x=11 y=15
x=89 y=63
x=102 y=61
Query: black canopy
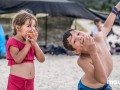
x=103 y=16
x=52 y=7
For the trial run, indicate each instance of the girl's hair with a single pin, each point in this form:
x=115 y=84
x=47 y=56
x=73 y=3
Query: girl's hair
x=20 y=19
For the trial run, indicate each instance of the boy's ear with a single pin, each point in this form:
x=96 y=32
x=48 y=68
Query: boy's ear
x=76 y=52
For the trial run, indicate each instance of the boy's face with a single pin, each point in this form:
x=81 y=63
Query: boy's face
x=77 y=40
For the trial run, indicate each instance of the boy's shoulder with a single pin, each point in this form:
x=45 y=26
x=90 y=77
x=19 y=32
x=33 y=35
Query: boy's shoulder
x=98 y=37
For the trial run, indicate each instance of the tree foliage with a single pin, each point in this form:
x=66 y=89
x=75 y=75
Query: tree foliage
x=101 y=5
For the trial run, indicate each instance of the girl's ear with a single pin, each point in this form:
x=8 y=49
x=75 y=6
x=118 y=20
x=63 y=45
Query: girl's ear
x=17 y=27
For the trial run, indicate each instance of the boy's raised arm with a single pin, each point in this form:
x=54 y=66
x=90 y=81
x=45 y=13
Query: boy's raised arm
x=109 y=22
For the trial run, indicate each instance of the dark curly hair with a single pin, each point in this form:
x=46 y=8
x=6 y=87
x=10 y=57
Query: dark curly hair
x=65 y=41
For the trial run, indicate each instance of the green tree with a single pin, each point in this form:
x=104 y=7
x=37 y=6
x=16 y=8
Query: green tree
x=101 y=5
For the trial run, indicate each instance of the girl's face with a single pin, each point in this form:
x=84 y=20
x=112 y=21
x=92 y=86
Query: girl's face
x=30 y=25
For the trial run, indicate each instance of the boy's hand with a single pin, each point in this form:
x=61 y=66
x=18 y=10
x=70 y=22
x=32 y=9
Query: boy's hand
x=118 y=6
x=89 y=45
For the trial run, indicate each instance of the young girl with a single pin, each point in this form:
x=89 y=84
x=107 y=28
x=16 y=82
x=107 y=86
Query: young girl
x=21 y=49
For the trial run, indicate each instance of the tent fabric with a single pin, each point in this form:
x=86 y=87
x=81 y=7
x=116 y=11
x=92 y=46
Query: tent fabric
x=2 y=41
x=103 y=16
x=52 y=7
x=2 y=36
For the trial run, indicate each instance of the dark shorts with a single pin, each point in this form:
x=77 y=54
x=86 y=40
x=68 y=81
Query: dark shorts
x=83 y=87
x=19 y=83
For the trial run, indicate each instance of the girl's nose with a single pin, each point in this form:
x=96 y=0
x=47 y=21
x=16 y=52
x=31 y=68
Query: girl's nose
x=32 y=29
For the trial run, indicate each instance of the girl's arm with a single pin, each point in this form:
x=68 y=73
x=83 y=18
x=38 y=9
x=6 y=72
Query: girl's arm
x=38 y=53
x=19 y=55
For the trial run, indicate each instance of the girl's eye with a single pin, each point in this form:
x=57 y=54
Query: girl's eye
x=28 y=26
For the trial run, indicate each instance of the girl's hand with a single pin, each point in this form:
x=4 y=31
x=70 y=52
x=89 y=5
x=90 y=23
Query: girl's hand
x=27 y=42
x=33 y=37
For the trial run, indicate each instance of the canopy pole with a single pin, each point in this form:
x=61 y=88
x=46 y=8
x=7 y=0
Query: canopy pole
x=75 y=23
x=46 y=20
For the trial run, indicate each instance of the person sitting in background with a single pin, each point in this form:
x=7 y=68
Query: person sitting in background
x=113 y=49
x=117 y=48
x=97 y=28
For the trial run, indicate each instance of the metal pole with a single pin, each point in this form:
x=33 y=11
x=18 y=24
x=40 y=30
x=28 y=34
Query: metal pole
x=46 y=20
x=75 y=23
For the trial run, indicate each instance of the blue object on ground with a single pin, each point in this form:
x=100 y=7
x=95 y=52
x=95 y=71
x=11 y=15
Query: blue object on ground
x=2 y=42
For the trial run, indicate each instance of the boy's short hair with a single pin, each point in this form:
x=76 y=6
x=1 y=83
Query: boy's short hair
x=65 y=41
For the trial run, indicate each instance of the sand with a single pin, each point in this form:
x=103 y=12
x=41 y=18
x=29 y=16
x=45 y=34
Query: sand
x=59 y=73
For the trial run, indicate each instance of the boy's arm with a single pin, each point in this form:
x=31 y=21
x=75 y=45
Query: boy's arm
x=99 y=72
x=109 y=22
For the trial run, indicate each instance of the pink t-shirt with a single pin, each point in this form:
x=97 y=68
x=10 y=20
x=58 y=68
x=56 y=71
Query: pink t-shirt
x=15 y=43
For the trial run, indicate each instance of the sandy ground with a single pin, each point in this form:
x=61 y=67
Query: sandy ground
x=59 y=73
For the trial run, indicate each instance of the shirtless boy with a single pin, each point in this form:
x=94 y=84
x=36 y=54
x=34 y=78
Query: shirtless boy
x=95 y=59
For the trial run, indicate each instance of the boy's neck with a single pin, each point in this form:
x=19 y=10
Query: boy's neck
x=84 y=54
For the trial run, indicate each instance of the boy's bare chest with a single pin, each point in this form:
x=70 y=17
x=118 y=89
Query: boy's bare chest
x=105 y=56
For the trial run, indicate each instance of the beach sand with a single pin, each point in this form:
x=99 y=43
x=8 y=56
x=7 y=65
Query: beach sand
x=59 y=73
